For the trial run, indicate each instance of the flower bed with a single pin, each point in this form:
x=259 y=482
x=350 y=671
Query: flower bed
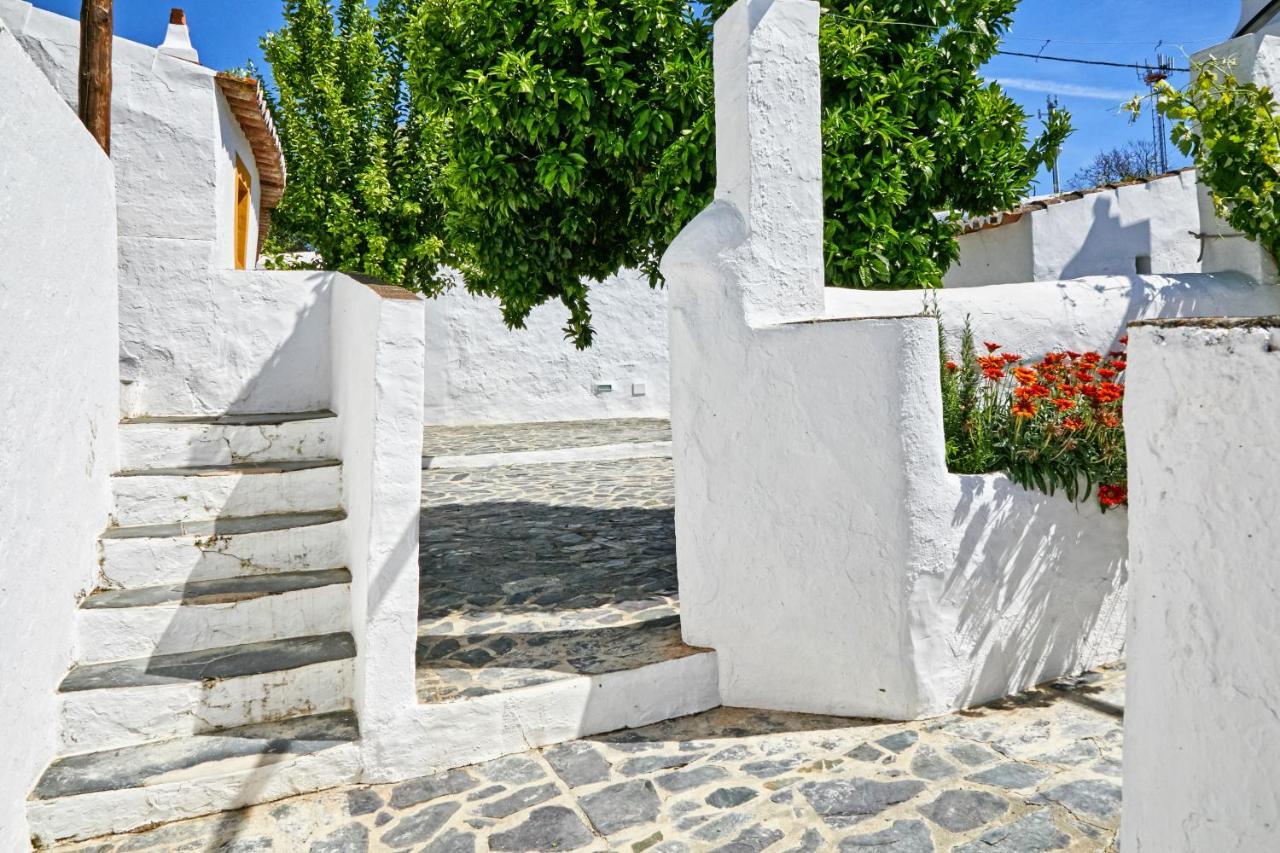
x=1055 y=424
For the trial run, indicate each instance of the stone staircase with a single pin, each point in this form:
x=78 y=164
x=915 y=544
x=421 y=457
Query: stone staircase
x=214 y=665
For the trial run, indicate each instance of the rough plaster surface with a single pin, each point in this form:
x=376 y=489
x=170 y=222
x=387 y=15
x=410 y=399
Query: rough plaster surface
x=195 y=336
x=816 y=521
x=59 y=395
x=479 y=371
x=1102 y=233
x=1203 y=643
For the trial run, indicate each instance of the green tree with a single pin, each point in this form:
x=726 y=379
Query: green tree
x=1232 y=132
x=914 y=137
x=362 y=158
x=577 y=142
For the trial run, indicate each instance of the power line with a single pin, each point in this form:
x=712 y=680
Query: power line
x=1076 y=61
x=1045 y=41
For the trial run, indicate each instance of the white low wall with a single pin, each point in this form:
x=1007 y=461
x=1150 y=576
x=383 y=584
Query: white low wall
x=58 y=406
x=1098 y=232
x=378 y=358
x=479 y=371
x=1200 y=745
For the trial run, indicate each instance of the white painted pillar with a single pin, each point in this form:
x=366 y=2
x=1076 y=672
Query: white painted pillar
x=1202 y=712
x=769 y=151
x=1257 y=60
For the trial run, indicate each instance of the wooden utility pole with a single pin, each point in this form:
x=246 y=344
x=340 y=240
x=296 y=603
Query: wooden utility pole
x=96 y=29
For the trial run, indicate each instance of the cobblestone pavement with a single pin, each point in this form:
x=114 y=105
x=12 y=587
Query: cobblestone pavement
x=1037 y=773
x=539 y=572
x=520 y=438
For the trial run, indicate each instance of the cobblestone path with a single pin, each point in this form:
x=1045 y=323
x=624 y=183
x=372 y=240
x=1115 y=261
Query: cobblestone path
x=540 y=572
x=523 y=438
x=1038 y=773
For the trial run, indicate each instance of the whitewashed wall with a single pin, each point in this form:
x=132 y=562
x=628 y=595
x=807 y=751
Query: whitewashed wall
x=58 y=406
x=196 y=337
x=234 y=144
x=479 y=371
x=1203 y=688
x=1101 y=233
x=824 y=550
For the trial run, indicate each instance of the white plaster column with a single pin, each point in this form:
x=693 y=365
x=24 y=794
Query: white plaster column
x=1202 y=709
x=769 y=151
x=1256 y=59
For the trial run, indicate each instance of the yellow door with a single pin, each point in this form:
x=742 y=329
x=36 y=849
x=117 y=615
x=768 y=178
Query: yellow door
x=244 y=201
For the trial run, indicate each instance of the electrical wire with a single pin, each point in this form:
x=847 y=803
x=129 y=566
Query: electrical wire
x=1085 y=61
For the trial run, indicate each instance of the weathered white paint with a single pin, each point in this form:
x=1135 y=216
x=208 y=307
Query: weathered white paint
x=58 y=405
x=378 y=362
x=177 y=42
x=479 y=371
x=824 y=550
x=224 y=493
x=92 y=720
x=1101 y=233
x=177 y=445
x=191 y=557
x=231 y=785
x=1203 y=686
x=1253 y=59
x=127 y=633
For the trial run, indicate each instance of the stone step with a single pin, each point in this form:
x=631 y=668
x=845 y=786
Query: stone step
x=176 y=442
x=151 y=555
x=171 y=495
x=119 y=625
x=100 y=793
x=112 y=705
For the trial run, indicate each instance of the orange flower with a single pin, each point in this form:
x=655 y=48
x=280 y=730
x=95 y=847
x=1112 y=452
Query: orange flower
x=1109 y=392
x=1073 y=424
x=1025 y=375
x=1064 y=404
x=1110 y=420
x=952 y=366
x=1010 y=358
x=990 y=346
x=1124 y=342
x=1024 y=409
x=1106 y=374
x=1119 y=364
x=1072 y=355
x=995 y=374
x=1084 y=375
x=1054 y=358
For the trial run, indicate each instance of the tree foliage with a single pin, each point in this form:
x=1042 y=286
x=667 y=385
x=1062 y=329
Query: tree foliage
x=1232 y=132
x=576 y=139
x=545 y=144
x=1138 y=159
x=362 y=158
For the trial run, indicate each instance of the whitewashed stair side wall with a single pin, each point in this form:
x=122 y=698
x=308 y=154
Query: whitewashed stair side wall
x=59 y=389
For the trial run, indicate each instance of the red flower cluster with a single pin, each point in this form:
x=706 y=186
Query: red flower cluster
x=1069 y=397
x=1110 y=496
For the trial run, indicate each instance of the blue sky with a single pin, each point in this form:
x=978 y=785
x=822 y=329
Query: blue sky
x=226 y=33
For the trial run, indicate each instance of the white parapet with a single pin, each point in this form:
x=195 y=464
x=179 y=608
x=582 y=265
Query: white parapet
x=1203 y=692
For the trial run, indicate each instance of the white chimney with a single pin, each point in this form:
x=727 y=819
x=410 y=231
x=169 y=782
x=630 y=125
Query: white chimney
x=177 y=40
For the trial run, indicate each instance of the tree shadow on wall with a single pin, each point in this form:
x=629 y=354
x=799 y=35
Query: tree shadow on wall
x=1039 y=585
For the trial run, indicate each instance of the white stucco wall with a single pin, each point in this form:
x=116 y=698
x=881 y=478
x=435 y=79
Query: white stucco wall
x=1204 y=653
x=1101 y=233
x=58 y=406
x=994 y=255
x=378 y=358
x=196 y=337
x=824 y=550
x=479 y=371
